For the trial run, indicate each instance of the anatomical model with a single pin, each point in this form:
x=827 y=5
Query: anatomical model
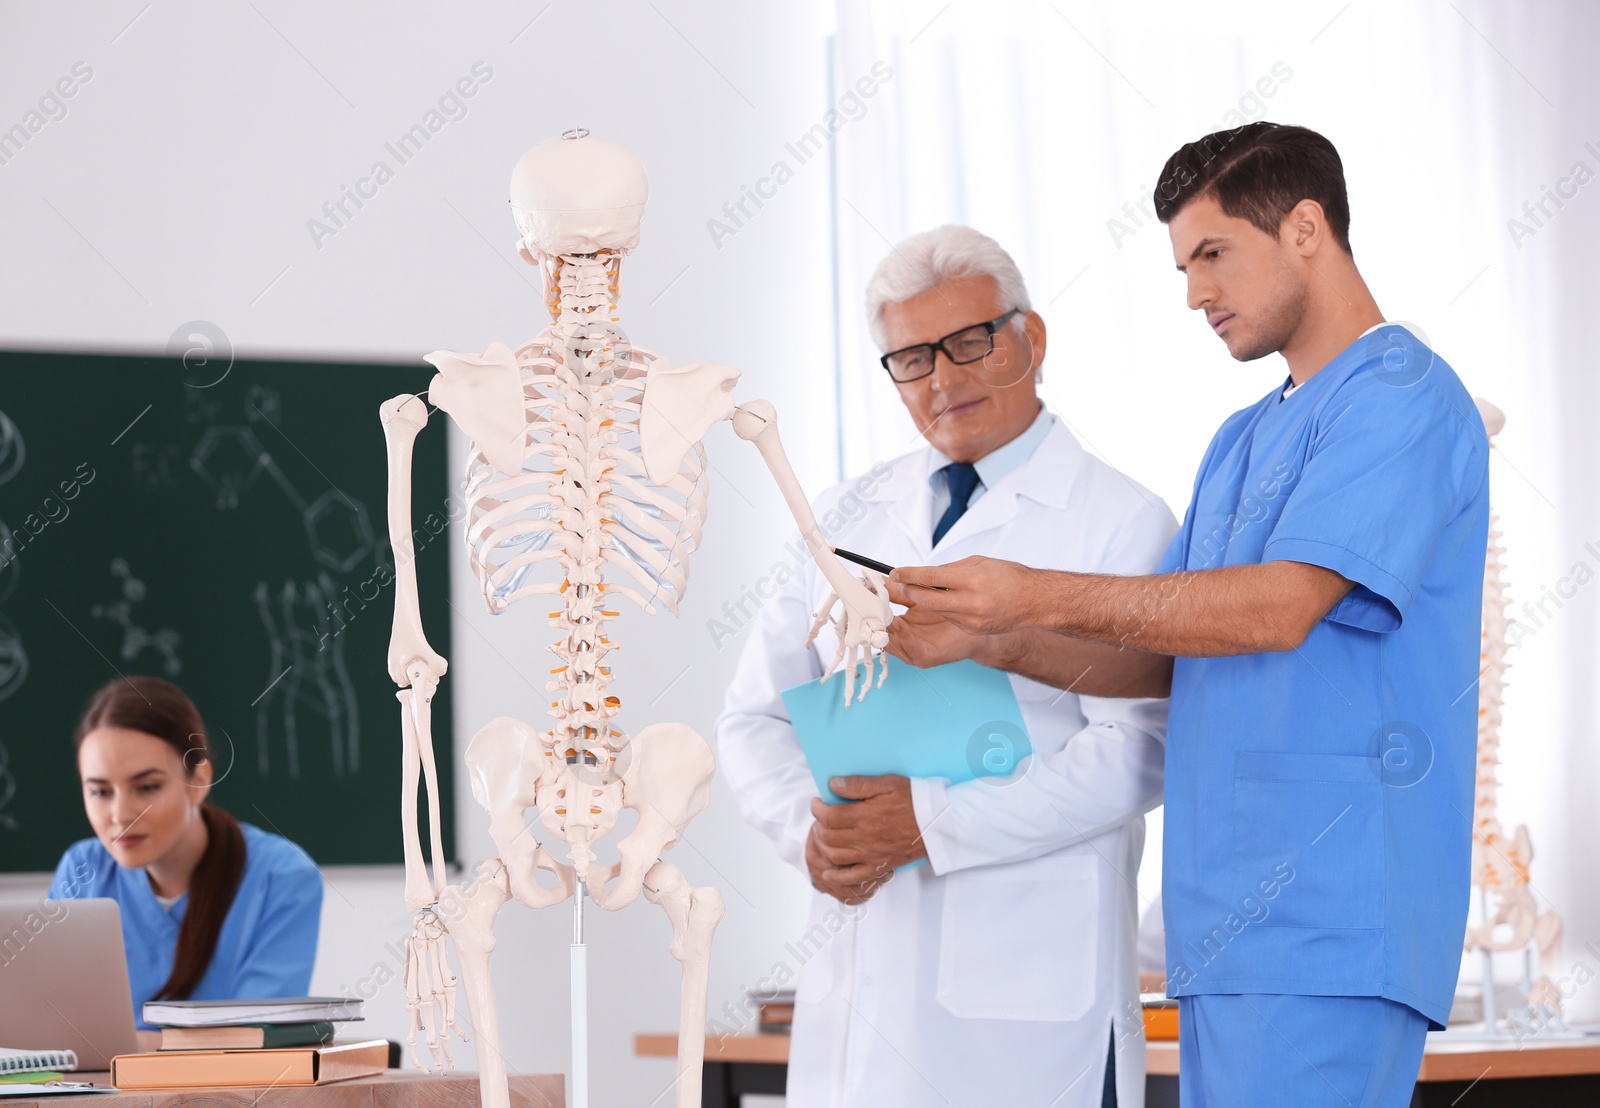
x=586 y=462
x=1500 y=863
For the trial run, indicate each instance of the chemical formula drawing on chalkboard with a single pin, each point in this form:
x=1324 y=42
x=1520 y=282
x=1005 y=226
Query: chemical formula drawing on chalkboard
x=308 y=661
x=215 y=529
x=135 y=638
x=306 y=658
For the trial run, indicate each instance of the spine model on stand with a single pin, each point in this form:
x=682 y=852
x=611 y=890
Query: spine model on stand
x=1511 y=920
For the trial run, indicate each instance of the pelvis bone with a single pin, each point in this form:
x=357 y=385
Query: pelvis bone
x=666 y=780
x=506 y=762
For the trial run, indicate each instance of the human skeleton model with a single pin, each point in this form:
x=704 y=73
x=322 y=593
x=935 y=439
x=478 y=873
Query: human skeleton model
x=586 y=458
x=1499 y=863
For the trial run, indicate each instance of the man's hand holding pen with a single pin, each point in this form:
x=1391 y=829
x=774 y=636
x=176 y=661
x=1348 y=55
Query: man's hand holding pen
x=981 y=596
x=922 y=637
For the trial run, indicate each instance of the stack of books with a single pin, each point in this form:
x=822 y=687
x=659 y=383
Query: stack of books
x=774 y=1011
x=283 y=1041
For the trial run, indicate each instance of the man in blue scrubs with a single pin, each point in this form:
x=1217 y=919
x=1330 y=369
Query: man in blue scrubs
x=1317 y=618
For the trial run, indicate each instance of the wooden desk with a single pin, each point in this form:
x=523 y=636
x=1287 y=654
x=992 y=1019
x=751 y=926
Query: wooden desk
x=1487 y=1073
x=734 y=1066
x=1467 y=1073
x=394 y=1089
x=1463 y=1073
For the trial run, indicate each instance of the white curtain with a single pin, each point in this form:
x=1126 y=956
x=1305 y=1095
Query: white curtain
x=1046 y=124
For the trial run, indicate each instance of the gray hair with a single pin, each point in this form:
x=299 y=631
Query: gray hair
x=930 y=258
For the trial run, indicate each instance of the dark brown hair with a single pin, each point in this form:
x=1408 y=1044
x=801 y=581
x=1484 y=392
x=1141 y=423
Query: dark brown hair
x=1258 y=172
x=160 y=709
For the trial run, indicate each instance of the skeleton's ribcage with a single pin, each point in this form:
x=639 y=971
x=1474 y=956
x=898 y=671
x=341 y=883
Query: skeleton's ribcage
x=582 y=511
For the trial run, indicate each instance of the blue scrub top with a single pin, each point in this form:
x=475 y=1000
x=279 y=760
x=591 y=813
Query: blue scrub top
x=1319 y=800
x=268 y=941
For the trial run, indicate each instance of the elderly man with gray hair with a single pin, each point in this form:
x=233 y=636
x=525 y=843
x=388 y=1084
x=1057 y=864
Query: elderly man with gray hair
x=999 y=966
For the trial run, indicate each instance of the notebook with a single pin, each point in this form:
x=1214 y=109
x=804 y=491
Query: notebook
x=958 y=721
x=28 y=1061
x=222 y=1013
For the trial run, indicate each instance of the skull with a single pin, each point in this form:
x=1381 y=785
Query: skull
x=577 y=195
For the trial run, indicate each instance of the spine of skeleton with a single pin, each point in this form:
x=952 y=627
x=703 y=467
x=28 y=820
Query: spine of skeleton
x=586 y=345
x=1486 y=829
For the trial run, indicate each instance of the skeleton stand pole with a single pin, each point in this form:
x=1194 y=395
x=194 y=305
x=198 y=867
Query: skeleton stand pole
x=1491 y=1002
x=580 y=1007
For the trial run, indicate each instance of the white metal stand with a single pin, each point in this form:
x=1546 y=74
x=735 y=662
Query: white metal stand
x=580 y=1007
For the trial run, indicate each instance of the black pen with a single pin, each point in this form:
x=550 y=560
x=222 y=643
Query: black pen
x=874 y=564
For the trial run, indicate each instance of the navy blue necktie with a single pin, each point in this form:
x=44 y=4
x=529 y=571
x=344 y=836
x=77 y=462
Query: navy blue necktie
x=962 y=478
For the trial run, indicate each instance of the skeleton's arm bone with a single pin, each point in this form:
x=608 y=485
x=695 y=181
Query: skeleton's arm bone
x=413 y=664
x=422 y=689
x=419 y=890
x=757 y=421
x=402 y=418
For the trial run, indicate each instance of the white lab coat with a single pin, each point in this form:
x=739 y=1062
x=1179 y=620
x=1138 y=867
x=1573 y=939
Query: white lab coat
x=993 y=975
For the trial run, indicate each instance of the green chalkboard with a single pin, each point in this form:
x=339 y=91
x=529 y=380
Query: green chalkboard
x=224 y=527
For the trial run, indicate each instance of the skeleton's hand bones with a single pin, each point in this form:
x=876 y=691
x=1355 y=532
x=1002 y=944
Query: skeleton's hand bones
x=863 y=630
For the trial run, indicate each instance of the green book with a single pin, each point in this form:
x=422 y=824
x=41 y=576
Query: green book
x=32 y=1077
x=246 y=1036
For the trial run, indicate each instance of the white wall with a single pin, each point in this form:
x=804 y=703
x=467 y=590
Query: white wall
x=178 y=186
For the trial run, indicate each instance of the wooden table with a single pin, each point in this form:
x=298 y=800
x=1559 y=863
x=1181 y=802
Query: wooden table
x=1480 y=1073
x=1466 y=1073
x=735 y=1065
x=394 y=1089
x=1458 y=1072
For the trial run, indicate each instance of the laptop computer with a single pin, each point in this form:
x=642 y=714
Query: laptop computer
x=64 y=979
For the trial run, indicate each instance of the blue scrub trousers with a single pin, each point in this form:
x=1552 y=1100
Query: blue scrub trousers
x=1266 y=1050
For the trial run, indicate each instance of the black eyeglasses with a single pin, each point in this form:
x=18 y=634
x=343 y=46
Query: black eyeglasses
x=970 y=344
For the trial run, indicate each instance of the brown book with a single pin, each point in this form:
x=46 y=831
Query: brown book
x=272 y=1036
x=190 y=1069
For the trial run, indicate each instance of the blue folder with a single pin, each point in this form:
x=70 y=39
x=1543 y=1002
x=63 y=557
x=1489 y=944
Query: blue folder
x=957 y=721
